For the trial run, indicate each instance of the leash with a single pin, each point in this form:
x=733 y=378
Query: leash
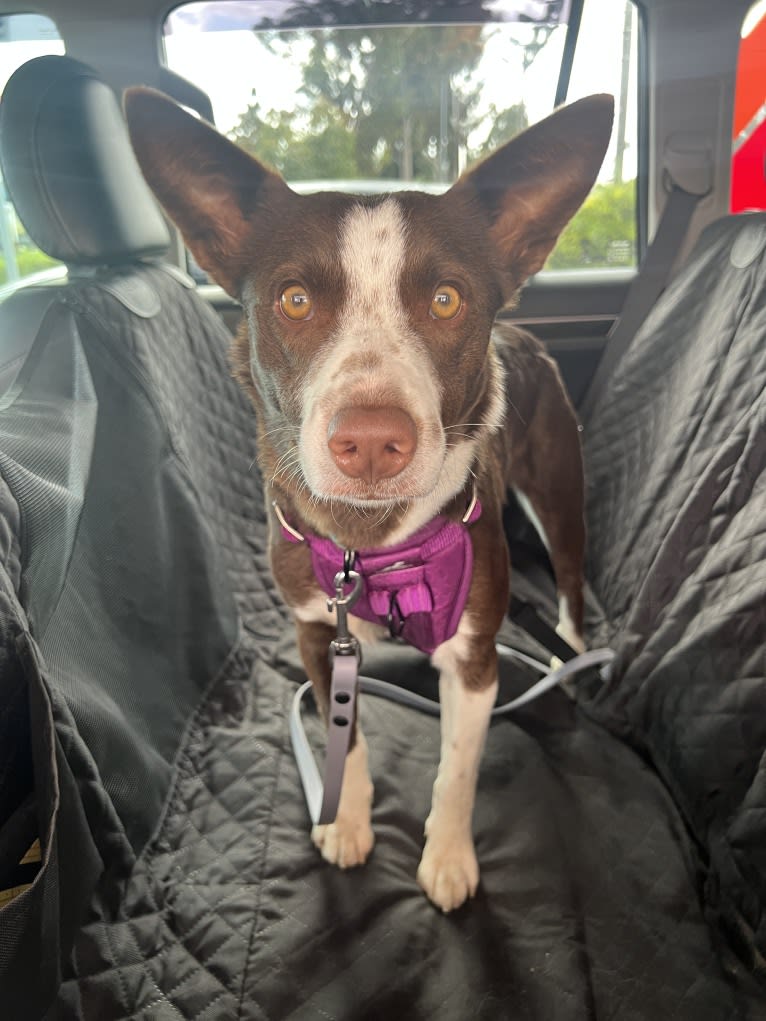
x=345 y=656
x=323 y=793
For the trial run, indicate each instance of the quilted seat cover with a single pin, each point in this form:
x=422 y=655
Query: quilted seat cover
x=151 y=665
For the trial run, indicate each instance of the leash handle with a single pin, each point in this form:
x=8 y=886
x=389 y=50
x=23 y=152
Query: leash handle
x=323 y=798
x=345 y=675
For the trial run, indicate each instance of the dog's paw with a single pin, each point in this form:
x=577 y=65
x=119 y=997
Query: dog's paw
x=345 y=843
x=448 y=873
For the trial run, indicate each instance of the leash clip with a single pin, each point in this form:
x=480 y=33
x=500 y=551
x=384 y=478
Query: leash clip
x=344 y=644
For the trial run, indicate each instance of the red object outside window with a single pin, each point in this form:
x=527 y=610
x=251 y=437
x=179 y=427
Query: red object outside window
x=748 y=164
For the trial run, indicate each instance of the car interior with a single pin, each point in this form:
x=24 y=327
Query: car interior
x=155 y=860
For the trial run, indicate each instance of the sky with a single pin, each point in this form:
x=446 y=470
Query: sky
x=232 y=66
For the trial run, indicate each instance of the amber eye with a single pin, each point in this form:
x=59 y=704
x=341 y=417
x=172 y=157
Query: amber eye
x=295 y=302
x=446 y=302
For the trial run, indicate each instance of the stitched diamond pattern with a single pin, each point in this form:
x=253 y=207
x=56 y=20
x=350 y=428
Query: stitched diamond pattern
x=589 y=900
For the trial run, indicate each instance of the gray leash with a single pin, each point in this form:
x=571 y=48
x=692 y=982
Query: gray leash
x=322 y=796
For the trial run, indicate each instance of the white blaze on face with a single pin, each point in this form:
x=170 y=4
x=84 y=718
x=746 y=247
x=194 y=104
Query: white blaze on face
x=373 y=359
x=372 y=251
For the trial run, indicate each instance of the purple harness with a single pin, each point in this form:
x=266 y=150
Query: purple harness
x=417 y=589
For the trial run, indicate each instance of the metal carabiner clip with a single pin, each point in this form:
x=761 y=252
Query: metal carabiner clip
x=344 y=644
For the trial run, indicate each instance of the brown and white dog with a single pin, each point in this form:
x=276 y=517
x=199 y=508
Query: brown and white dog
x=384 y=391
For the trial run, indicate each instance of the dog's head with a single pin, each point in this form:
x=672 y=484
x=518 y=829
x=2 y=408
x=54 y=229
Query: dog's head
x=370 y=317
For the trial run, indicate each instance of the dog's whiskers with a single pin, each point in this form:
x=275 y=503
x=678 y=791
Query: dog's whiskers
x=295 y=474
x=290 y=454
x=276 y=430
x=332 y=512
x=289 y=460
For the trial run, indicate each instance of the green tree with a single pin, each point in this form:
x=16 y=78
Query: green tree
x=603 y=233
x=505 y=124
x=323 y=148
x=28 y=260
x=386 y=102
x=406 y=106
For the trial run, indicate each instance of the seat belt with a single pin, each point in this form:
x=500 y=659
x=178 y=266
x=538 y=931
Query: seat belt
x=655 y=270
x=525 y=616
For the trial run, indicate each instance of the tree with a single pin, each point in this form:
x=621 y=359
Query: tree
x=387 y=102
x=323 y=148
x=505 y=125
x=408 y=107
x=603 y=233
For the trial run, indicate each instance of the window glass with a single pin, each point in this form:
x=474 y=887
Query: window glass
x=748 y=163
x=400 y=105
x=603 y=233
x=22 y=37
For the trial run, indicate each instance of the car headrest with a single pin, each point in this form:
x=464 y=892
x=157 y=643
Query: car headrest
x=70 y=170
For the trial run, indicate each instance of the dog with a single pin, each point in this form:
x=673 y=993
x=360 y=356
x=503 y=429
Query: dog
x=387 y=397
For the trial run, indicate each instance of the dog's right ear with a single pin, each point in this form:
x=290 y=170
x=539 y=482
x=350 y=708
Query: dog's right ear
x=208 y=186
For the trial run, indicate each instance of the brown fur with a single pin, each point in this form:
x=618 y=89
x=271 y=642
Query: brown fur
x=484 y=237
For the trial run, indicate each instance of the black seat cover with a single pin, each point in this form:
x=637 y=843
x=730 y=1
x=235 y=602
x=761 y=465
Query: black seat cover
x=150 y=666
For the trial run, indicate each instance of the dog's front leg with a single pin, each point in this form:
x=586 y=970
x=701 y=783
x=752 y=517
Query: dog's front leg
x=449 y=872
x=347 y=841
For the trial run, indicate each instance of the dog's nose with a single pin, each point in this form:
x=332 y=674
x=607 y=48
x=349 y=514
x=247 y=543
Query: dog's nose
x=372 y=443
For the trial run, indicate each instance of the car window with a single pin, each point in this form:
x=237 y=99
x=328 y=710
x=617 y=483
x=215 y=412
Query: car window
x=603 y=233
x=22 y=37
x=373 y=107
x=748 y=164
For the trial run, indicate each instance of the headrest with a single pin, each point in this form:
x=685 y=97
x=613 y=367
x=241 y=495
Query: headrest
x=69 y=167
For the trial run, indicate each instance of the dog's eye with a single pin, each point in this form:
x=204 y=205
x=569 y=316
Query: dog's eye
x=295 y=303
x=446 y=302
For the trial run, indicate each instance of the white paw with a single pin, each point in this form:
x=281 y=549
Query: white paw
x=345 y=842
x=448 y=873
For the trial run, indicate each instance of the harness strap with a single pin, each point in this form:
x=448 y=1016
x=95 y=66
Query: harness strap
x=417 y=588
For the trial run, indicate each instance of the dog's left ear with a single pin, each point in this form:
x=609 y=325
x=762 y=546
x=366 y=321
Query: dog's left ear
x=531 y=187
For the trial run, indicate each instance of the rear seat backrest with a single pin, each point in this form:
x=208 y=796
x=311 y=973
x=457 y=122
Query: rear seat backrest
x=126 y=451
x=676 y=462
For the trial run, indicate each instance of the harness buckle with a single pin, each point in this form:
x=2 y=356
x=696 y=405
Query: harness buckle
x=349 y=559
x=395 y=619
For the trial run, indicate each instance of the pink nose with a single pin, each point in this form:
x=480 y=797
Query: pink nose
x=372 y=443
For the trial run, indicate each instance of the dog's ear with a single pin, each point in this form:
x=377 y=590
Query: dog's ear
x=208 y=186
x=531 y=187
